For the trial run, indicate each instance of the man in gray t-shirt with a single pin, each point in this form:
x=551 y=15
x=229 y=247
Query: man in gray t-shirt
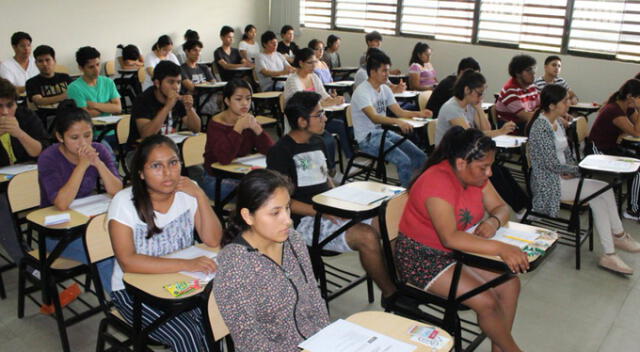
x=452 y=110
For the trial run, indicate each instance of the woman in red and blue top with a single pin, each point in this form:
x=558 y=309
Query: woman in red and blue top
x=452 y=194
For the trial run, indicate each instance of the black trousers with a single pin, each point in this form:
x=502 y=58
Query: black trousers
x=508 y=188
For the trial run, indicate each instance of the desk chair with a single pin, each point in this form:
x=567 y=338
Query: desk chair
x=24 y=194
x=192 y=151
x=390 y=215
x=110 y=68
x=263 y=101
x=129 y=86
x=570 y=232
x=142 y=74
x=432 y=127
x=122 y=135
x=423 y=99
x=219 y=329
x=577 y=133
x=61 y=69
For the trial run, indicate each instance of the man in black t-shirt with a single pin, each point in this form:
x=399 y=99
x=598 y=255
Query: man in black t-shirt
x=160 y=108
x=301 y=155
x=228 y=59
x=48 y=88
x=287 y=46
x=444 y=89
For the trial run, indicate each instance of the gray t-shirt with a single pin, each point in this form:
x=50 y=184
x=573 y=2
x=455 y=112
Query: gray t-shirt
x=452 y=110
x=365 y=96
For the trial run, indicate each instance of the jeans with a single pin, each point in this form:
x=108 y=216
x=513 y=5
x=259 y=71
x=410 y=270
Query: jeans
x=227 y=186
x=406 y=157
x=338 y=127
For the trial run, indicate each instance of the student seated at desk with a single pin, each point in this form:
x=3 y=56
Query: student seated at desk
x=160 y=51
x=519 y=98
x=552 y=68
x=265 y=286
x=194 y=73
x=369 y=109
x=287 y=47
x=232 y=134
x=444 y=90
x=22 y=65
x=154 y=217
x=48 y=88
x=161 y=108
x=95 y=93
x=228 y=58
x=450 y=195
x=619 y=116
x=248 y=46
x=128 y=58
x=554 y=177
x=271 y=63
x=301 y=155
x=189 y=35
x=71 y=169
x=422 y=75
x=362 y=75
x=331 y=57
x=321 y=69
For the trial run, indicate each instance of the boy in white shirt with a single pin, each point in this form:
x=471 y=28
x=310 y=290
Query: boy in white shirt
x=22 y=65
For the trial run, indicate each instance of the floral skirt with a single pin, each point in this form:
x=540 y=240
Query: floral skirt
x=418 y=264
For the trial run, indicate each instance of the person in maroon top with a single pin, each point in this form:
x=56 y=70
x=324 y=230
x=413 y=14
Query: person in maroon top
x=451 y=194
x=620 y=116
x=231 y=134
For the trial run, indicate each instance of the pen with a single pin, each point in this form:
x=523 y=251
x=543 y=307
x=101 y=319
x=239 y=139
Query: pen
x=377 y=200
x=518 y=239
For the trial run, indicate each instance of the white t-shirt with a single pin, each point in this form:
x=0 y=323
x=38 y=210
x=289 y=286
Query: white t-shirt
x=452 y=110
x=360 y=76
x=270 y=62
x=151 y=60
x=14 y=73
x=365 y=96
x=177 y=226
x=252 y=49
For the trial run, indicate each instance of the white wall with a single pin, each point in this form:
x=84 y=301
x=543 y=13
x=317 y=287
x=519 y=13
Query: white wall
x=67 y=25
x=591 y=79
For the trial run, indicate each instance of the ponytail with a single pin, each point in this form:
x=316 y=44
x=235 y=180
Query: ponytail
x=551 y=94
x=629 y=88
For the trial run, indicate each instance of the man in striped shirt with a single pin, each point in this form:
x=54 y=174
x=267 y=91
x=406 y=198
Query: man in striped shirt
x=519 y=98
x=552 y=68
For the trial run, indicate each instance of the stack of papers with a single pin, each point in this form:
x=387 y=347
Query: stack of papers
x=351 y=194
x=191 y=253
x=17 y=169
x=92 y=205
x=253 y=160
x=538 y=238
x=612 y=165
x=108 y=119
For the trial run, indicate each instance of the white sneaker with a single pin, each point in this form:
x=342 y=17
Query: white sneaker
x=614 y=263
x=626 y=243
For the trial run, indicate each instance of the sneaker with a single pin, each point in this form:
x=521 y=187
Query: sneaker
x=626 y=243
x=631 y=215
x=614 y=263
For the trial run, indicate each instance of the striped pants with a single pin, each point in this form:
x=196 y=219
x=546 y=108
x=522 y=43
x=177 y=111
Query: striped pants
x=183 y=333
x=633 y=201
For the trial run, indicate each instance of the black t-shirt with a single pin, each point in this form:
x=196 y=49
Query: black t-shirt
x=233 y=58
x=31 y=125
x=146 y=106
x=440 y=95
x=305 y=164
x=285 y=49
x=200 y=74
x=47 y=87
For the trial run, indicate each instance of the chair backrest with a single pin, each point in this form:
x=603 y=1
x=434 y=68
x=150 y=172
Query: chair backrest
x=423 y=99
x=348 y=116
x=110 y=68
x=193 y=150
x=142 y=74
x=526 y=167
x=97 y=240
x=281 y=103
x=23 y=191
x=389 y=216
x=431 y=132
x=218 y=327
x=122 y=129
x=61 y=69
x=582 y=128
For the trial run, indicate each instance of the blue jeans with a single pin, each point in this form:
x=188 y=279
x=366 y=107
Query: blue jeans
x=406 y=157
x=338 y=127
x=75 y=250
x=227 y=186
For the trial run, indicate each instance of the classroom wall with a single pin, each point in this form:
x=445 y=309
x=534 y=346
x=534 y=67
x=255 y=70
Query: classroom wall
x=591 y=79
x=67 y=25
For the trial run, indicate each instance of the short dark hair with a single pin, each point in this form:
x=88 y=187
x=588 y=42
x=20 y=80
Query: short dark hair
x=86 y=53
x=43 y=50
x=191 y=35
x=471 y=79
x=67 y=114
x=130 y=52
x=7 y=90
x=371 y=36
x=230 y=88
x=376 y=59
x=313 y=43
x=301 y=104
x=285 y=29
x=165 y=69
x=267 y=37
x=302 y=55
x=225 y=30
x=247 y=28
x=163 y=40
x=551 y=58
x=190 y=44
x=418 y=49
x=18 y=36
x=331 y=39
x=468 y=63
x=520 y=63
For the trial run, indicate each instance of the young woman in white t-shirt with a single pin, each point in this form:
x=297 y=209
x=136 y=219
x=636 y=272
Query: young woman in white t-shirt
x=248 y=46
x=155 y=217
x=160 y=51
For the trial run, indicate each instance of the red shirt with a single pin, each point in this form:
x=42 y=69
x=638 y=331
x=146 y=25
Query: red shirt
x=224 y=144
x=604 y=133
x=513 y=99
x=439 y=181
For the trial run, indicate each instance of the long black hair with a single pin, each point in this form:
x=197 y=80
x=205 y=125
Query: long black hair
x=254 y=190
x=629 y=88
x=230 y=89
x=67 y=114
x=418 y=49
x=468 y=144
x=141 y=198
x=551 y=94
x=469 y=79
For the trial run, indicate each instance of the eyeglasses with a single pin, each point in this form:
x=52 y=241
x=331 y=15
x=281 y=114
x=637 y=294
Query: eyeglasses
x=479 y=92
x=318 y=115
x=531 y=69
x=158 y=167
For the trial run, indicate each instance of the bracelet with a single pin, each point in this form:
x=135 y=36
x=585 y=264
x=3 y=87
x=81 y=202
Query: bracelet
x=498 y=220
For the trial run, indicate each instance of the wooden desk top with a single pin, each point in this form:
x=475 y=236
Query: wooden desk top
x=591 y=162
x=109 y=123
x=334 y=108
x=266 y=95
x=212 y=85
x=344 y=68
x=265 y=120
x=339 y=84
x=328 y=201
x=586 y=106
x=153 y=283
x=234 y=167
x=37 y=217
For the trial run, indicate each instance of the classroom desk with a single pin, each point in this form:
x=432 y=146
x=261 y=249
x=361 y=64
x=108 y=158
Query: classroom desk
x=509 y=141
x=235 y=170
x=343 y=73
x=277 y=79
x=395 y=79
x=204 y=92
x=271 y=100
x=584 y=108
x=265 y=120
x=106 y=124
x=341 y=87
x=148 y=289
x=5 y=177
x=336 y=108
x=408 y=95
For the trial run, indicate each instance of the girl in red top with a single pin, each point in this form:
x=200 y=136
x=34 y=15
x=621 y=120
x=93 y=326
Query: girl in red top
x=231 y=134
x=451 y=195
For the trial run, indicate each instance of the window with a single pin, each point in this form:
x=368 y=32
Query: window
x=526 y=24
x=367 y=15
x=442 y=19
x=315 y=13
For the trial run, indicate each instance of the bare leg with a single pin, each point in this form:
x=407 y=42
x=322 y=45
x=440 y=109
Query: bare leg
x=364 y=239
x=492 y=317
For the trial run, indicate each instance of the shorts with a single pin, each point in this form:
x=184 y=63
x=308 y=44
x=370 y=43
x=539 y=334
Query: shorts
x=327 y=227
x=418 y=264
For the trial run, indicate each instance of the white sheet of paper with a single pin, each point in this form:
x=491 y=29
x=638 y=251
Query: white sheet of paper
x=344 y=336
x=621 y=165
x=91 y=205
x=337 y=107
x=356 y=195
x=252 y=160
x=57 y=219
x=406 y=94
x=511 y=236
x=509 y=141
x=108 y=119
x=177 y=138
x=416 y=123
x=191 y=253
x=17 y=169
